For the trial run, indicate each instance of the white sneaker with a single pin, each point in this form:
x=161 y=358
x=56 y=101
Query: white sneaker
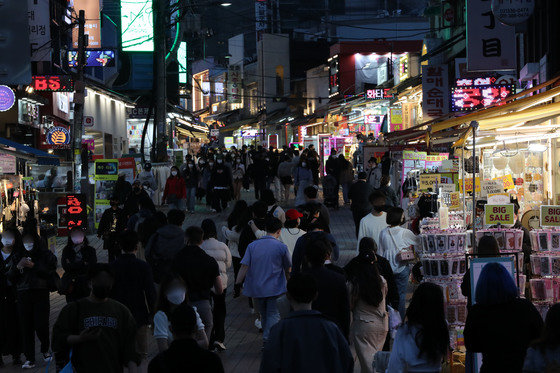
x=220 y=346
x=258 y=324
x=28 y=365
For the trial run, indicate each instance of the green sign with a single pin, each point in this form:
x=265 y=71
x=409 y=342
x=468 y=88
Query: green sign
x=550 y=216
x=182 y=61
x=137 y=25
x=499 y=214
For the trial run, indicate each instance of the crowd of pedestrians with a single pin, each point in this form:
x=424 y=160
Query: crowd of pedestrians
x=169 y=284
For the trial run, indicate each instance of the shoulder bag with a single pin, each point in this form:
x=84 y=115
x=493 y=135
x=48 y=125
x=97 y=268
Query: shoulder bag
x=405 y=255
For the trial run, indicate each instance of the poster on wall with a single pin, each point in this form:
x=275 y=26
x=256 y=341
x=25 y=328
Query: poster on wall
x=127 y=166
x=106 y=175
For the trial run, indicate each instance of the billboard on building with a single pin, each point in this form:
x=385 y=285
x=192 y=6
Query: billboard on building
x=137 y=25
x=92 y=25
x=39 y=29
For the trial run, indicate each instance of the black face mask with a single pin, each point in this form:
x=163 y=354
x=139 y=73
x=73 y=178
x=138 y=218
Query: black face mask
x=101 y=292
x=137 y=190
x=380 y=208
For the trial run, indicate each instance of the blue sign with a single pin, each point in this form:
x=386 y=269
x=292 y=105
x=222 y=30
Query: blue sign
x=94 y=58
x=7 y=98
x=58 y=136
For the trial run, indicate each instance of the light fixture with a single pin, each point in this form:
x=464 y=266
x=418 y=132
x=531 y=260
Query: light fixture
x=225 y=4
x=537 y=148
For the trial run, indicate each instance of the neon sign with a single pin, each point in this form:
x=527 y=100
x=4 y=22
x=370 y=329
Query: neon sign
x=53 y=83
x=76 y=212
x=378 y=94
x=468 y=98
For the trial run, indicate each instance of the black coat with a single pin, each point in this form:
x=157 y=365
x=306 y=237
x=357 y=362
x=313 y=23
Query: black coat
x=106 y=221
x=359 y=195
x=77 y=269
x=134 y=287
x=183 y=356
x=37 y=277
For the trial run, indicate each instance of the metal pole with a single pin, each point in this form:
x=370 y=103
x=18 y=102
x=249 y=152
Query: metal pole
x=474 y=126
x=160 y=119
x=79 y=99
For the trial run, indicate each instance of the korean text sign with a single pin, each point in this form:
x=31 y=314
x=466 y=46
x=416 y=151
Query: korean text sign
x=502 y=214
x=76 y=210
x=435 y=91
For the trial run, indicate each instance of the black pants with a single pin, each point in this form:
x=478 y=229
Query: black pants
x=358 y=215
x=260 y=186
x=111 y=244
x=10 y=339
x=220 y=199
x=34 y=309
x=219 y=316
x=236 y=265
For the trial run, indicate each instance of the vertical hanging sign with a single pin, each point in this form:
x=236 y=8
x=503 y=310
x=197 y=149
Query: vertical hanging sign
x=435 y=91
x=76 y=210
x=490 y=44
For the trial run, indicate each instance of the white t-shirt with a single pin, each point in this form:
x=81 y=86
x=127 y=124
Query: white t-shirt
x=161 y=325
x=289 y=236
x=392 y=241
x=371 y=226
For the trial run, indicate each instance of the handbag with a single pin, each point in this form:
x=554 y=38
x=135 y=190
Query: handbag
x=404 y=255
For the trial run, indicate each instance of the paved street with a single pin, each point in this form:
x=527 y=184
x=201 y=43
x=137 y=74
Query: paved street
x=242 y=338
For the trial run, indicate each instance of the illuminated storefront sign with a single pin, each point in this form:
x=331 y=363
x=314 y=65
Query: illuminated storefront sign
x=404 y=72
x=76 y=211
x=182 y=61
x=137 y=25
x=7 y=98
x=58 y=136
x=334 y=78
x=53 y=83
x=378 y=94
x=474 y=94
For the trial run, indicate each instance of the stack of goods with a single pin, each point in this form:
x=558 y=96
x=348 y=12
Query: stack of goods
x=510 y=241
x=545 y=266
x=443 y=263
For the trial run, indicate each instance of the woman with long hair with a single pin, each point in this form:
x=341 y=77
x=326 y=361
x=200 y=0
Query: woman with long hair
x=10 y=340
x=173 y=292
x=423 y=340
x=544 y=353
x=175 y=192
x=32 y=275
x=77 y=259
x=370 y=324
x=220 y=252
x=500 y=324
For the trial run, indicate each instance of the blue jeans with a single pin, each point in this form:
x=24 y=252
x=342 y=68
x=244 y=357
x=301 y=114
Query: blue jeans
x=177 y=205
x=345 y=190
x=191 y=198
x=269 y=314
x=402 y=286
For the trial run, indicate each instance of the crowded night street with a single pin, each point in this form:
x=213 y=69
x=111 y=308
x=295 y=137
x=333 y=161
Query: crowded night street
x=279 y=186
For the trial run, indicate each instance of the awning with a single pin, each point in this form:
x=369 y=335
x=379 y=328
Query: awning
x=43 y=158
x=236 y=125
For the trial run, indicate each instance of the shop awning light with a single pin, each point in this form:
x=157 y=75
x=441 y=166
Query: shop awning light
x=537 y=148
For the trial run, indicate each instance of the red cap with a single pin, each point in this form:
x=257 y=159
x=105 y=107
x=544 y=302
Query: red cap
x=293 y=214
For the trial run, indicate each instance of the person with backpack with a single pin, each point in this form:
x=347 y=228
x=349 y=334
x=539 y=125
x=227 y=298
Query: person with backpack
x=137 y=219
x=77 y=259
x=274 y=210
x=33 y=278
x=165 y=243
x=112 y=223
x=314 y=233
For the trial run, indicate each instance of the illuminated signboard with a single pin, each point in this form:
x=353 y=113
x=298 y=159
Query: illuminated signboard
x=334 y=80
x=76 y=210
x=373 y=119
x=378 y=94
x=182 y=61
x=404 y=67
x=137 y=25
x=58 y=136
x=468 y=98
x=92 y=27
x=7 y=98
x=53 y=83
x=104 y=58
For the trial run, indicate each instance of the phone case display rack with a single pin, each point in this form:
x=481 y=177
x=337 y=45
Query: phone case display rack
x=545 y=267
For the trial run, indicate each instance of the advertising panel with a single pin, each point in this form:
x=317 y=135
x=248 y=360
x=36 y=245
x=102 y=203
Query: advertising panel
x=137 y=25
x=92 y=25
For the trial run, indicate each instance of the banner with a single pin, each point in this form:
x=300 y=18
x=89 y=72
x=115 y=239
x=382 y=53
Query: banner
x=435 y=91
x=499 y=214
x=39 y=19
x=92 y=25
x=491 y=45
x=235 y=84
x=507 y=182
x=106 y=175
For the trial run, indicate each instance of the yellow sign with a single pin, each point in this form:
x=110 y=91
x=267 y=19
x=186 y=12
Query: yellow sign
x=469 y=184
x=429 y=181
x=455 y=199
x=503 y=214
x=417 y=156
x=404 y=67
x=507 y=181
x=550 y=216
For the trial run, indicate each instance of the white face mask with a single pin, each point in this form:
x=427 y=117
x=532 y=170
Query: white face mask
x=211 y=164
x=389 y=183
x=191 y=165
x=77 y=240
x=219 y=161
x=28 y=246
x=174 y=173
x=7 y=241
x=303 y=164
x=176 y=296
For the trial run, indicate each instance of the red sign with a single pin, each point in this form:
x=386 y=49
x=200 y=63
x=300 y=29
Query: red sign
x=468 y=98
x=378 y=94
x=53 y=83
x=76 y=210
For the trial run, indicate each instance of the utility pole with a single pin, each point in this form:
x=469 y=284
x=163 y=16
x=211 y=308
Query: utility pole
x=79 y=99
x=160 y=119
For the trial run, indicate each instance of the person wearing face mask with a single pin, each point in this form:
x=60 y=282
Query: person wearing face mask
x=221 y=184
x=77 y=258
x=172 y=293
x=175 y=191
x=10 y=339
x=206 y=174
x=32 y=274
x=393 y=240
x=100 y=331
x=138 y=194
x=147 y=179
x=303 y=177
x=134 y=287
x=112 y=223
x=238 y=173
x=191 y=175
x=373 y=223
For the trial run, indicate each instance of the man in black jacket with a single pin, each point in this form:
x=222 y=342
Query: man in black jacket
x=112 y=223
x=359 y=195
x=332 y=300
x=134 y=287
x=201 y=275
x=184 y=354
